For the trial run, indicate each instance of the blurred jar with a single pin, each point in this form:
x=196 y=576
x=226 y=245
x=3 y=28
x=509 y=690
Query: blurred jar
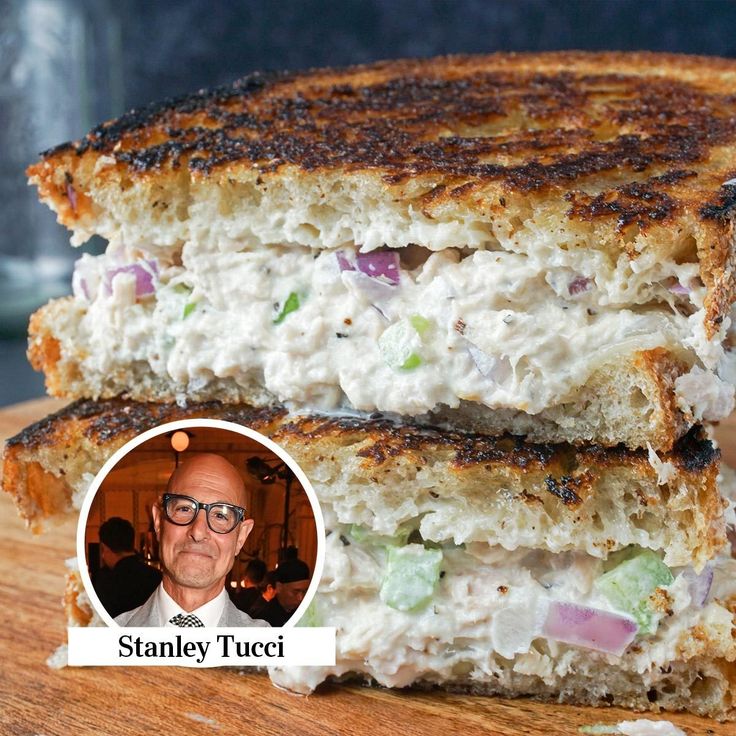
x=60 y=74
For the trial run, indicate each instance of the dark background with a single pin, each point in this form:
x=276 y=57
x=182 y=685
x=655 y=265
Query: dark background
x=200 y=44
x=168 y=48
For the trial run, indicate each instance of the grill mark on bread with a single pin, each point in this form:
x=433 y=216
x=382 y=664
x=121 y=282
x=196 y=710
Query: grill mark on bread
x=721 y=205
x=104 y=136
x=443 y=116
x=638 y=202
x=695 y=452
x=109 y=420
x=564 y=489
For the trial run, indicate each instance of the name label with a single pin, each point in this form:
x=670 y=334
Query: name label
x=201 y=647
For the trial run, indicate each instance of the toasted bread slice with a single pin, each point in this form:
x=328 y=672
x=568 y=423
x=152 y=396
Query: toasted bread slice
x=622 y=155
x=57 y=457
x=388 y=477
x=503 y=491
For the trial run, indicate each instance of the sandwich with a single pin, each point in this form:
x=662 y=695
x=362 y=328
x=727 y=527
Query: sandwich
x=485 y=302
x=502 y=243
x=470 y=562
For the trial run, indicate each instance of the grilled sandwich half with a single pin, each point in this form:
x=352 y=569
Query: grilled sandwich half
x=538 y=243
x=462 y=561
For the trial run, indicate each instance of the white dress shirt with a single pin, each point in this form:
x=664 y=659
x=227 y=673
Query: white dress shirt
x=209 y=614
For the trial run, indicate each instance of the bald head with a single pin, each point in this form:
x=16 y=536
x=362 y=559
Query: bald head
x=209 y=472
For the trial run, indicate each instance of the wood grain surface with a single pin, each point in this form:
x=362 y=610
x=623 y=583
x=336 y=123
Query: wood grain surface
x=130 y=701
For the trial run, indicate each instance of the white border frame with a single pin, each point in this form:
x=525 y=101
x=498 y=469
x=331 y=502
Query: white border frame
x=190 y=424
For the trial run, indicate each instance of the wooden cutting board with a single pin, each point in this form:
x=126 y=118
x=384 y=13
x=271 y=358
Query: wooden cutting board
x=121 y=701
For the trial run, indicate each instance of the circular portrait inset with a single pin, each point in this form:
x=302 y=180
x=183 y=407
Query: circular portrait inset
x=201 y=523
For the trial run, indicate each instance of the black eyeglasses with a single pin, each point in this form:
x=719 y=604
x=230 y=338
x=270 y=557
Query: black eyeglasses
x=221 y=517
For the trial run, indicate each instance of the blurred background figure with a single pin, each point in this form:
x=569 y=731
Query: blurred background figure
x=250 y=591
x=267 y=591
x=124 y=581
x=292 y=581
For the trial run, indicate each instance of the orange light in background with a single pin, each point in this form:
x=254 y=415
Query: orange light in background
x=180 y=441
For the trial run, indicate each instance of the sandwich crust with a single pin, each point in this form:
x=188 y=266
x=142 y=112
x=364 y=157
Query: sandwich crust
x=449 y=485
x=631 y=152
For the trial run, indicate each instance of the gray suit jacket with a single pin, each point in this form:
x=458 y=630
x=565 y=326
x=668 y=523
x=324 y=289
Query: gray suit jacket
x=148 y=615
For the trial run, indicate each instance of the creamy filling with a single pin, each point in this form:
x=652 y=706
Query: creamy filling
x=507 y=330
x=485 y=615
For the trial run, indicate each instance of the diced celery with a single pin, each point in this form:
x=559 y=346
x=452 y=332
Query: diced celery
x=185 y=290
x=621 y=555
x=398 y=345
x=419 y=323
x=290 y=305
x=629 y=585
x=361 y=535
x=412 y=573
x=413 y=361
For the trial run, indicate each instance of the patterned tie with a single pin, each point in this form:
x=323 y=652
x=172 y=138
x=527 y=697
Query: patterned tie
x=189 y=620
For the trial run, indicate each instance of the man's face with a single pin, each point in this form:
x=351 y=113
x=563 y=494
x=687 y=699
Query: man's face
x=194 y=556
x=290 y=595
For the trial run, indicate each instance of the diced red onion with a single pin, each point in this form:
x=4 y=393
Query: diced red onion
x=343 y=262
x=144 y=271
x=678 y=288
x=83 y=278
x=72 y=197
x=483 y=362
x=700 y=585
x=578 y=285
x=382 y=263
x=488 y=366
x=591 y=628
x=374 y=291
